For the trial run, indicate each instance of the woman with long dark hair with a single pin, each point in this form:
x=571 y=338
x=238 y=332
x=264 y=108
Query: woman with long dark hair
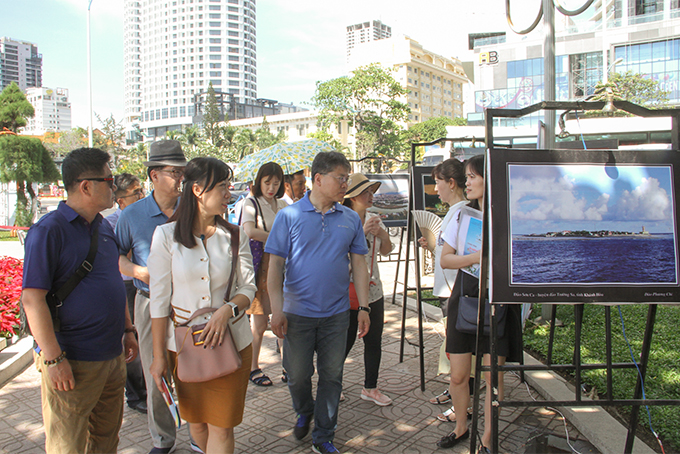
x=189 y=269
x=259 y=211
x=460 y=346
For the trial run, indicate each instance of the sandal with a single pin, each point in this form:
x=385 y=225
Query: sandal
x=284 y=376
x=450 y=415
x=441 y=399
x=262 y=380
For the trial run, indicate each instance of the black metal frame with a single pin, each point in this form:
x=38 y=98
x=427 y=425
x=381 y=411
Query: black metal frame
x=494 y=368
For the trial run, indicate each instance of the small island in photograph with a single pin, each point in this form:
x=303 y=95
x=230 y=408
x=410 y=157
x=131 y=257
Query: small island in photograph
x=590 y=234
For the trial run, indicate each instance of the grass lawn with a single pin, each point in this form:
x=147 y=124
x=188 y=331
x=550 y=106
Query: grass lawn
x=663 y=374
x=5 y=236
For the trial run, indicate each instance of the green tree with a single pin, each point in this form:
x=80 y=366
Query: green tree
x=22 y=160
x=112 y=138
x=25 y=161
x=132 y=161
x=245 y=141
x=211 y=117
x=68 y=141
x=372 y=100
x=328 y=138
x=265 y=138
x=14 y=108
x=632 y=87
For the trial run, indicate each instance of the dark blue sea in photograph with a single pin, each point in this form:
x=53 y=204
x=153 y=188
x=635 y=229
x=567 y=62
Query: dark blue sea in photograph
x=593 y=260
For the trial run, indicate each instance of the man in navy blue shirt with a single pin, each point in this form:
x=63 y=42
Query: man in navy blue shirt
x=317 y=239
x=134 y=231
x=82 y=365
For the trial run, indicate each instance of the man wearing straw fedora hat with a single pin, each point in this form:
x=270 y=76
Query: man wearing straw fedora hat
x=134 y=231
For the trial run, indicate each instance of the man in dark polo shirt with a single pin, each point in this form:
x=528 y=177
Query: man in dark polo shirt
x=83 y=364
x=134 y=232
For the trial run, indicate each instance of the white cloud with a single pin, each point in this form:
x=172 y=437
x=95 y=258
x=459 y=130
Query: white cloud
x=647 y=202
x=548 y=199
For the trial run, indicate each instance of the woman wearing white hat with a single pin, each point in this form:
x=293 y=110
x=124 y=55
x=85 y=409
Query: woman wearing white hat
x=359 y=197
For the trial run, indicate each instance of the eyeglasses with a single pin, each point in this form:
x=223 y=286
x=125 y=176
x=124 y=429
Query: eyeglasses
x=109 y=180
x=342 y=180
x=138 y=193
x=176 y=174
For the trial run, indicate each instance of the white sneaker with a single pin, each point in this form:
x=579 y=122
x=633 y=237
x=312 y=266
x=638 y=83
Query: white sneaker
x=374 y=395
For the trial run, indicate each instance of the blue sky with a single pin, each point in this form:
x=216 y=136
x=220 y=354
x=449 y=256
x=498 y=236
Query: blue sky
x=298 y=42
x=547 y=198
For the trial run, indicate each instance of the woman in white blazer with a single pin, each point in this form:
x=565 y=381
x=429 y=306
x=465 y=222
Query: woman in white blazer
x=189 y=269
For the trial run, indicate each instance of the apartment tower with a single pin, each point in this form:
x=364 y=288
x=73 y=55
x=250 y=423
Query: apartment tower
x=366 y=32
x=20 y=62
x=175 y=48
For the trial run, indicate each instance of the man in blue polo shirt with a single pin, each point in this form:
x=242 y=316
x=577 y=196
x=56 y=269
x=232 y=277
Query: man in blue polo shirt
x=134 y=231
x=316 y=239
x=82 y=364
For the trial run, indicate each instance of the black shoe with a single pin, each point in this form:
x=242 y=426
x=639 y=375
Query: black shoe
x=301 y=428
x=450 y=440
x=139 y=406
x=483 y=450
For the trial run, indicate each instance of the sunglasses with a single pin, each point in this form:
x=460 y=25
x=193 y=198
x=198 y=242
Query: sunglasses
x=109 y=180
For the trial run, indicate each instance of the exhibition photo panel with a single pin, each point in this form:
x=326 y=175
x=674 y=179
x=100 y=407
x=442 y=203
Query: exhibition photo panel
x=574 y=226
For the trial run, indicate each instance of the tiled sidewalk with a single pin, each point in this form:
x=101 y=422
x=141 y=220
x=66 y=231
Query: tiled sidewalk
x=408 y=426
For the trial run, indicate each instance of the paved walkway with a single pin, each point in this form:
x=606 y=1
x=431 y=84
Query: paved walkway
x=408 y=426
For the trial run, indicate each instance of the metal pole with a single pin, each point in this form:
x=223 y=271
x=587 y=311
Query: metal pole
x=89 y=75
x=549 y=71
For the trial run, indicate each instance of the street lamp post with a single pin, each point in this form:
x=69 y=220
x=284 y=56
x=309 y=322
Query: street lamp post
x=89 y=75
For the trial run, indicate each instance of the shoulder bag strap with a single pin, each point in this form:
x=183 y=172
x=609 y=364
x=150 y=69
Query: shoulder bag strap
x=234 y=232
x=258 y=212
x=82 y=270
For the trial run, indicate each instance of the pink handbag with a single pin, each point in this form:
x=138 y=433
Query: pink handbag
x=196 y=364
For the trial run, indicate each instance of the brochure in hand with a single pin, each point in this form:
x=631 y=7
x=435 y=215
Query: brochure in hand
x=470 y=236
x=170 y=402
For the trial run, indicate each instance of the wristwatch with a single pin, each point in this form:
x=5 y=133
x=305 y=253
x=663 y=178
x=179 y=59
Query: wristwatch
x=234 y=308
x=365 y=309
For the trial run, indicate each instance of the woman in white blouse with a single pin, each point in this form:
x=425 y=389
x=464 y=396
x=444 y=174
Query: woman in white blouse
x=259 y=211
x=189 y=268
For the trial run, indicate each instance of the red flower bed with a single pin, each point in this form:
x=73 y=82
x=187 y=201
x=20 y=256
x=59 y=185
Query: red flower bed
x=11 y=277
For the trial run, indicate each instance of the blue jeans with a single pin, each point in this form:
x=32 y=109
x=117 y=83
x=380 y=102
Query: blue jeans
x=327 y=337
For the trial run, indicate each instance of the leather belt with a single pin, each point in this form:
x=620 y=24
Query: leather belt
x=144 y=293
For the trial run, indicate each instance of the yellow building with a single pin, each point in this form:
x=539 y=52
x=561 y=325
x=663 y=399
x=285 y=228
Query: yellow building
x=435 y=82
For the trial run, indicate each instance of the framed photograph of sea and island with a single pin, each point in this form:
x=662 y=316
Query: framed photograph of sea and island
x=390 y=201
x=574 y=226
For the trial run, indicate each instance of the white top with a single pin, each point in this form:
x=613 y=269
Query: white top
x=190 y=279
x=375 y=290
x=444 y=279
x=268 y=211
x=288 y=199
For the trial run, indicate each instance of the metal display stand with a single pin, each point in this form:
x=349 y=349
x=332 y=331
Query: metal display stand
x=576 y=365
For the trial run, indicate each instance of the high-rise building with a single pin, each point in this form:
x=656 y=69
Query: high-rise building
x=641 y=36
x=435 y=83
x=20 y=62
x=366 y=32
x=175 y=48
x=52 y=111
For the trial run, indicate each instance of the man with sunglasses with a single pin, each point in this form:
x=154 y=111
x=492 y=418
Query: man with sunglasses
x=79 y=351
x=128 y=191
x=134 y=231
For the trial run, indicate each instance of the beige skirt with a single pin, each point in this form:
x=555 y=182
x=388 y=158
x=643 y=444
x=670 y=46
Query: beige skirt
x=219 y=402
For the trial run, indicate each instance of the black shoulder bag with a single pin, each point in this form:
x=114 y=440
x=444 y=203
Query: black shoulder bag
x=56 y=299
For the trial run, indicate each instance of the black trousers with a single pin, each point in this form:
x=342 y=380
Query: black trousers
x=372 y=341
